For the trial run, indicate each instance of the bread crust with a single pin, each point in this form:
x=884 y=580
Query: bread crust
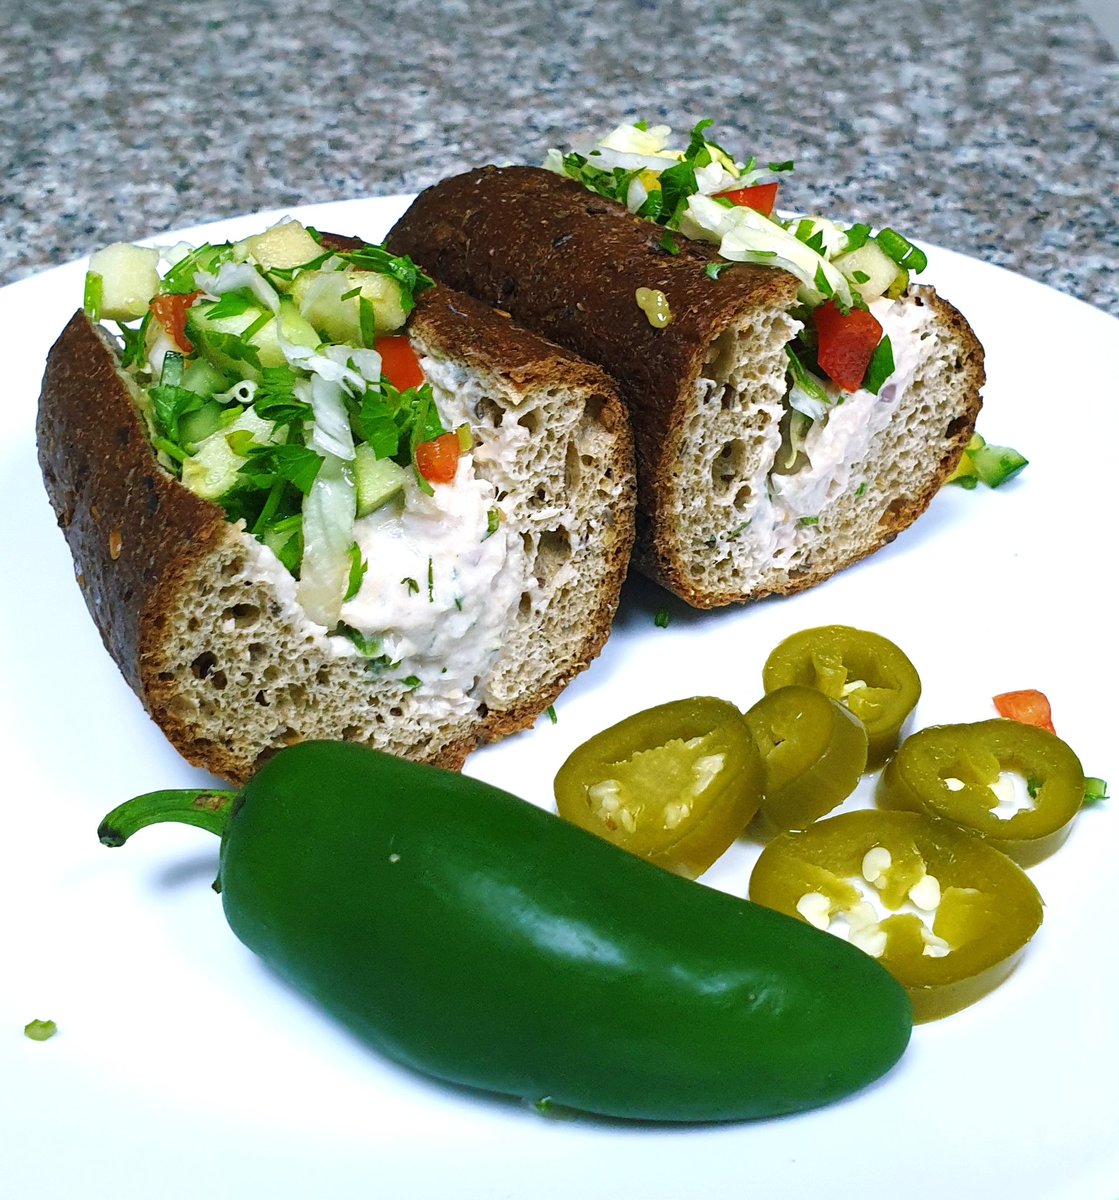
x=566 y=263
x=133 y=530
x=141 y=542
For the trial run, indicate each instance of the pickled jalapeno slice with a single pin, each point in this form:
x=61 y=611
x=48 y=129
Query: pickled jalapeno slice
x=863 y=671
x=813 y=750
x=943 y=911
x=1015 y=785
x=675 y=784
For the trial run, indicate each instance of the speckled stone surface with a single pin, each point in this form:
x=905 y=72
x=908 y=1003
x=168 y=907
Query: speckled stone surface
x=989 y=126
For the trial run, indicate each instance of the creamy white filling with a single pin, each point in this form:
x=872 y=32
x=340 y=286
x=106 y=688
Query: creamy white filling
x=442 y=583
x=835 y=446
x=440 y=587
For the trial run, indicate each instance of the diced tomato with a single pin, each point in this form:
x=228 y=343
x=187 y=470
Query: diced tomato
x=437 y=460
x=399 y=363
x=1029 y=707
x=761 y=197
x=846 y=343
x=171 y=312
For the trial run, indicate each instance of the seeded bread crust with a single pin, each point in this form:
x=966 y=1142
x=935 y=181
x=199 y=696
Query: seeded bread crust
x=203 y=623
x=705 y=393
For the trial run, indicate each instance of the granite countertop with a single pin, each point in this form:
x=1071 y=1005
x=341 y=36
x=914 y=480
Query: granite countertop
x=989 y=126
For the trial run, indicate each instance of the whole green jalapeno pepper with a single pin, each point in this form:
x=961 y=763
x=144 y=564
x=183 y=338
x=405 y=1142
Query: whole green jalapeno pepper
x=1017 y=786
x=863 y=671
x=475 y=937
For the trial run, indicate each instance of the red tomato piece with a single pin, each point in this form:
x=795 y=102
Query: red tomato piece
x=400 y=364
x=171 y=312
x=437 y=460
x=761 y=197
x=846 y=343
x=1028 y=707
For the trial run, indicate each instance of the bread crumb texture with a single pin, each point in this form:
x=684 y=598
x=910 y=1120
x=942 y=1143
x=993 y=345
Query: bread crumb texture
x=722 y=538
x=241 y=673
x=204 y=622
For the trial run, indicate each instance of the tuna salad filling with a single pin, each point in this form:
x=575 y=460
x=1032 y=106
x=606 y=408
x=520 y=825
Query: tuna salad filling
x=277 y=380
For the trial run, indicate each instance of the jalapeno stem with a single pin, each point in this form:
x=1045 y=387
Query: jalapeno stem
x=207 y=808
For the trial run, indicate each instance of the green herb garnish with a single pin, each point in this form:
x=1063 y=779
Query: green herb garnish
x=1095 y=790
x=91 y=299
x=358 y=567
x=714 y=269
x=295 y=464
x=881 y=367
x=902 y=250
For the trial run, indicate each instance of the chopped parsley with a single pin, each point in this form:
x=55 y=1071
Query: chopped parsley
x=714 y=269
x=230 y=407
x=358 y=567
x=881 y=367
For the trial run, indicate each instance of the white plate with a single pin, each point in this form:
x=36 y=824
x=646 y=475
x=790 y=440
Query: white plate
x=183 y=1068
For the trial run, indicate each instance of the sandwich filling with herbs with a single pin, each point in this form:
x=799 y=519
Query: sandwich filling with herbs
x=277 y=380
x=856 y=347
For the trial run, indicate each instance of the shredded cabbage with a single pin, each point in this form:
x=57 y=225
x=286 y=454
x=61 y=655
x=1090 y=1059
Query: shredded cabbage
x=328 y=533
x=744 y=235
x=233 y=276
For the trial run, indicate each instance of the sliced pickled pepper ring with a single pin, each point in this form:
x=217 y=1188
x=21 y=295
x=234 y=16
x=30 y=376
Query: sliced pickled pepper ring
x=864 y=671
x=943 y=911
x=1015 y=785
x=675 y=784
x=813 y=750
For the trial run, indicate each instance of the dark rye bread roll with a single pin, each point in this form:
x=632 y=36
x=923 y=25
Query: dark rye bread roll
x=204 y=622
x=720 y=519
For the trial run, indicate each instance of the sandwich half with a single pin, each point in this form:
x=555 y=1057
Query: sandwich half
x=308 y=495
x=758 y=472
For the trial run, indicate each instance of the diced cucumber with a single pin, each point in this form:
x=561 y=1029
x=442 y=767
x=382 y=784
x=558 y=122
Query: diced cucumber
x=212 y=469
x=200 y=325
x=295 y=329
x=330 y=300
x=195 y=427
x=996 y=464
x=285 y=540
x=261 y=326
x=882 y=273
x=284 y=246
x=319 y=297
x=129 y=279
x=386 y=296
x=204 y=379
x=378 y=480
